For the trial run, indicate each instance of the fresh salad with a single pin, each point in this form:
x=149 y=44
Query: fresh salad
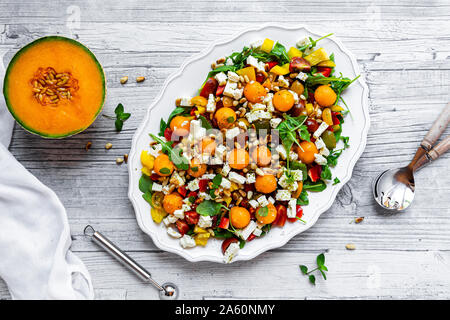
x=240 y=157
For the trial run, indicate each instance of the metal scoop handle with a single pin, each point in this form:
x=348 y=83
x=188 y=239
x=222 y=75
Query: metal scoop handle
x=437 y=151
x=121 y=256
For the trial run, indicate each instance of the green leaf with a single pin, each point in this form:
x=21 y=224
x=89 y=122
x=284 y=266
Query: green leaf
x=230 y=119
x=332 y=158
x=174 y=154
x=162 y=127
x=205 y=123
x=320 y=259
x=304 y=133
x=297 y=165
x=312 y=279
x=241 y=243
x=323 y=274
x=124 y=116
x=312 y=43
x=145 y=183
x=148 y=197
x=303 y=198
x=345 y=140
x=217 y=180
x=280 y=53
x=164 y=170
x=119 y=109
x=223 y=233
x=304 y=269
x=323 y=268
x=317 y=186
x=336 y=181
x=119 y=124
x=326 y=173
x=209 y=208
x=263 y=212
x=177 y=111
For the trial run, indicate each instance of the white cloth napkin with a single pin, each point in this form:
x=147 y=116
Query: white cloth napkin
x=35 y=260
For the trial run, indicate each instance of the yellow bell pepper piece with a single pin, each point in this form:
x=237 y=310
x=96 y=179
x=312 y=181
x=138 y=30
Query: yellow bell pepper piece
x=201 y=239
x=317 y=56
x=327 y=63
x=158 y=215
x=146 y=171
x=147 y=160
x=234 y=187
x=197 y=229
x=326 y=116
x=227 y=200
x=249 y=72
x=337 y=108
x=267 y=45
x=199 y=101
x=200 y=110
x=294 y=52
x=280 y=70
x=309 y=108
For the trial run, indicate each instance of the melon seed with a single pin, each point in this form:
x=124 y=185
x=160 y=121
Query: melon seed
x=88 y=145
x=108 y=146
x=140 y=79
x=125 y=157
x=350 y=246
x=123 y=80
x=119 y=160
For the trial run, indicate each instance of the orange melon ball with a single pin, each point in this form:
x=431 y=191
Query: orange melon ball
x=266 y=183
x=238 y=159
x=208 y=145
x=239 y=217
x=307 y=154
x=180 y=126
x=196 y=168
x=254 y=92
x=172 y=202
x=266 y=215
x=325 y=96
x=283 y=100
x=225 y=117
x=163 y=166
x=262 y=156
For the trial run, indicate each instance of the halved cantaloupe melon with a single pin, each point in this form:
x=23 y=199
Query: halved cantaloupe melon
x=54 y=87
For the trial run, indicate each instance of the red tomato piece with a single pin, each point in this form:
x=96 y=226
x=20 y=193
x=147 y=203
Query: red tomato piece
x=271 y=64
x=251 y=237
x=203 y=185
x=299 y=64
x=191 y=217
x=314 y=172
x=182 y=226
x=281 y=216
x=168 y=134
x=209 y=87
x=224 y=223
x=260 y=77
x=182 y=190
x=226 y=243
x=219 y=90
x=325 y=71
x=298 y=214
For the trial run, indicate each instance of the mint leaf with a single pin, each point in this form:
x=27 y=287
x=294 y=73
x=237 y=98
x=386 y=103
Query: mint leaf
x=304 y=269
x=312 y=279
x=263 y=212
x=336 y=181
x=145 y=183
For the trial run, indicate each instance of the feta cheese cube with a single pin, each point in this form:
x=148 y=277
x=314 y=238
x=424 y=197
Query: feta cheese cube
x=259 y=65
x=208 y=176
x=248 y=230
x=324 y=152
x=166 y=189
x=283 y=82
x=319 y=159
x=220 y=150
x=173 y=233
x=295 y=95
x=302 y=42
x=176 y=179
x=155 y=150
x=302 y=76
x=187 y=241
x=232 y=133
x=204 y=222
x=225 y=169
x=257 y=232
x=256 y=44
x=179 y=213
x=204 y=195
x=196 y=131
x=258 y=106
x=156 y=187
x=297 y=175
x=281 y=151
x=292 y=208
x=283 y=182
x=229 y=89
x=251 y=178
x=231 y=252
x=319 y=144
x=257 y=115
x=283 y=195
x=186 y=102
x=323 y=126
x=233 y=77
x=211 y=105
x=271 y=200
x=237 y=93
x=229 y=62
x=254 y=204
x=221 y=78
x=226 y=184
x=275 y=122
x=186 y=206
x=262 y=200
x=193 y=185
x=293 y=155
x=236 y=177
x=169 y=220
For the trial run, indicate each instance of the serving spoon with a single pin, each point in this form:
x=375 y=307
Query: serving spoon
x=393 y=189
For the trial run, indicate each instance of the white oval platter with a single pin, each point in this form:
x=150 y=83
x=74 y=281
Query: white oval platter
x=186 y=82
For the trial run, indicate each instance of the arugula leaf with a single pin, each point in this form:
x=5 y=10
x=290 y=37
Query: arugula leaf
x=209 y=208
x=336 y=181
x=345 y=140
x=317 y=186
x=334 y=155
x=319 y=79
x=279 y=52
x=145 y=183
x=312 y=43
x=223 y=233
x=205 y=123
x=217 y=180
x=174 y=154
x=304 y=133
x=326 y=173
x=303 y=198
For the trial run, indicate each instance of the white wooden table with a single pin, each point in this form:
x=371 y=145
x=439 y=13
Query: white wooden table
x=404 y=51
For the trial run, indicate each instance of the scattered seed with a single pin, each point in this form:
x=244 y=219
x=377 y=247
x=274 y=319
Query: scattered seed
x=125 y=158
x=108 y=146
x=140 y=79
x=124 y=80
x=119 y=160
x=350 y=246
x=88 y=145
x=359 y=220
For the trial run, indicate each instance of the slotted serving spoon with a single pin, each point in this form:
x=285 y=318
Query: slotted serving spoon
x=394 y=189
